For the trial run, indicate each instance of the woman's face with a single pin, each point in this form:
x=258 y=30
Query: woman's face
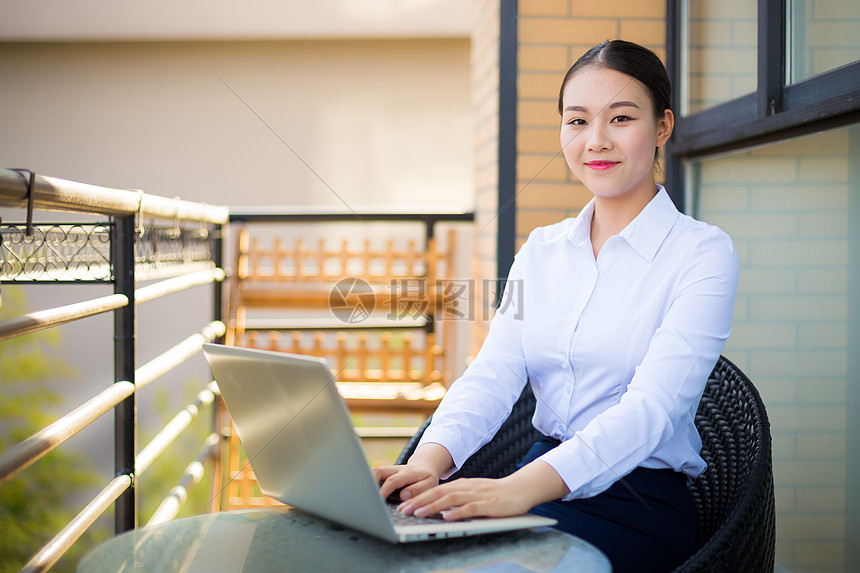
x=609 y=132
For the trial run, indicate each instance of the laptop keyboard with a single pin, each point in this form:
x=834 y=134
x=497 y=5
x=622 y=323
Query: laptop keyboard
x=398 y=518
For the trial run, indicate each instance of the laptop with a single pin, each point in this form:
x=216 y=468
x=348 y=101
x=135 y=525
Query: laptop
x=300 y=441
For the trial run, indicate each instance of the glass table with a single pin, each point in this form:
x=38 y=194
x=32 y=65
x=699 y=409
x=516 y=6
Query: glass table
x=284 y=539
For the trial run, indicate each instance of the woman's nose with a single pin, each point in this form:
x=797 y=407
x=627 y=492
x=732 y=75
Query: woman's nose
x=597 y=138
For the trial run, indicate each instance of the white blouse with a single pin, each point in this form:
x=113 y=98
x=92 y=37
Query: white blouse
x=617 y=349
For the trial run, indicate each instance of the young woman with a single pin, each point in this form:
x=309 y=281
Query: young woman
x=625 y=311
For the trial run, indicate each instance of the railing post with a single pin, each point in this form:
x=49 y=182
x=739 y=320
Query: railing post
x=125 y=413
x=218 y=286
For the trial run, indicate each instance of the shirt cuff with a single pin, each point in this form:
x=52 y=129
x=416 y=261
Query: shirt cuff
x=448 y=440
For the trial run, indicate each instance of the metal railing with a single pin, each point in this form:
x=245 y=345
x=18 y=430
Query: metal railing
x=142 y=237
x=118 y=251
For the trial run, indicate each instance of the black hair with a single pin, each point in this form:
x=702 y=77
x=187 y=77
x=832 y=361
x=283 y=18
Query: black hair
x=628 y=58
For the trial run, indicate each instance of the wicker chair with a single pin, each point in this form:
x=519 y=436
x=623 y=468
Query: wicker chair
x=734 y=497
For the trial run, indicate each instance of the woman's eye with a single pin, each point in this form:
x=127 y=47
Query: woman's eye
x=621 y=118
x=577 y=122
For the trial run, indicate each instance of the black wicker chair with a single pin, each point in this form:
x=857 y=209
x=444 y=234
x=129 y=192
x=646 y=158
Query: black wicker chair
x=734 y=497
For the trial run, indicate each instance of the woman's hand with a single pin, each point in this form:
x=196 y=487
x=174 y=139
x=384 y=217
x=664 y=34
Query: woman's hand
x=515 y=494
x=410 y=480
x=420 y=473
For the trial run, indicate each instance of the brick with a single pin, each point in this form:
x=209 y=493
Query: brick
x=743 y=225
x=724 y=60
x=799 y=308
x=745 y=33
x=809 y=473
x=828 y=144
x=749 y=171
x=567 y=30
x=544 y=59
x=645 y=32
x=820 y=554
x=785 y=552
x=542 y=195
x=783 y=498
x=721 y=198
x=807 y=527
x=788 y=252
x=824 y=445
x=831 y=34
x=824 y=60
x=708 y=90
x=542 y=8
x=627 y=9
x=824 y=169
x=823 y=225
x=828 y=335
x=710 y=33
x=767 y=281
x=820 y=499
x=799 y=197
x=798 y=362
x=779 y=390
x=723 y=10
x=743 y=85
x=756 y=336
x=528 y=220
x=809 y=418
x=538 y=140
x=538 y=114
x=539 y=86
x=836 y=11
x=823 y=392
x=541 y=168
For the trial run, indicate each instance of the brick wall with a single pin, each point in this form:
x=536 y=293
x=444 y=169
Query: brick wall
x=722 y=53
x=787 y=207
x=552 y=35
x=485 y=126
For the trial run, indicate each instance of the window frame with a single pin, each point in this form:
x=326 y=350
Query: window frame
x=774 y=112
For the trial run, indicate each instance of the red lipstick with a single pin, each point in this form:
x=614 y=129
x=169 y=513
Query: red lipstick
x=601 y=165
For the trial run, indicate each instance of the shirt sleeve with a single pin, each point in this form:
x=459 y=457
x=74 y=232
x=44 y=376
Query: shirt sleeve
x=476 y=404
x=667 y=385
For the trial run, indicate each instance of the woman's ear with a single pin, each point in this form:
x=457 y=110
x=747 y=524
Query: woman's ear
x=665 y=125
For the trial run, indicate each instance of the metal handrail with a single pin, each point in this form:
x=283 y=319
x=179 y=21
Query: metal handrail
x=53 y=194
x=54 y=549
x=42 y=319
x=171 y=504
x=172 y=429
x=33 y=448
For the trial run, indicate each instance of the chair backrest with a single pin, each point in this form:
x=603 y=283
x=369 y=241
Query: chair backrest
x=734 y=497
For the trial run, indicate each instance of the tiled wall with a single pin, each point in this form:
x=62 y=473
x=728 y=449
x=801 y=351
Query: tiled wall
x=789 y=208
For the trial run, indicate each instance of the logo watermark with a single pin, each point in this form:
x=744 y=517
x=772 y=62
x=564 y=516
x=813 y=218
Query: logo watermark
x=353 y=300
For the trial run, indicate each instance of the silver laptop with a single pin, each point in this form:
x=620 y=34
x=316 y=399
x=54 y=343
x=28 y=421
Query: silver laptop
x=299 y=439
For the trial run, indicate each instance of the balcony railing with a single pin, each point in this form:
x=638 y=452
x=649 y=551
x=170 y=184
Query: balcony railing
x=139 y=236
x=143 y=237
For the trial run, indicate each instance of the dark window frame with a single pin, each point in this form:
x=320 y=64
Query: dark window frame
x=775 y=112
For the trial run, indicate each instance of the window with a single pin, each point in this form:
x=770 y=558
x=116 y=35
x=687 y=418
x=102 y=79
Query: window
x=767 y=146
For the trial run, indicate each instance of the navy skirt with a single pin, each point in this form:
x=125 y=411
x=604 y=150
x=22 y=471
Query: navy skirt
x=645 y=522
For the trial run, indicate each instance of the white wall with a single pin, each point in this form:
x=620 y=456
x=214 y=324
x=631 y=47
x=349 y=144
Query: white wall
x=380 y=122
x=362 y=122
x=232 y=19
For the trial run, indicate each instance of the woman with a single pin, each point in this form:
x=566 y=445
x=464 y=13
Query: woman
x=625 y=311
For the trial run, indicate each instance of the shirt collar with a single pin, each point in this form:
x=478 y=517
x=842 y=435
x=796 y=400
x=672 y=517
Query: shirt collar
x=644 y=234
